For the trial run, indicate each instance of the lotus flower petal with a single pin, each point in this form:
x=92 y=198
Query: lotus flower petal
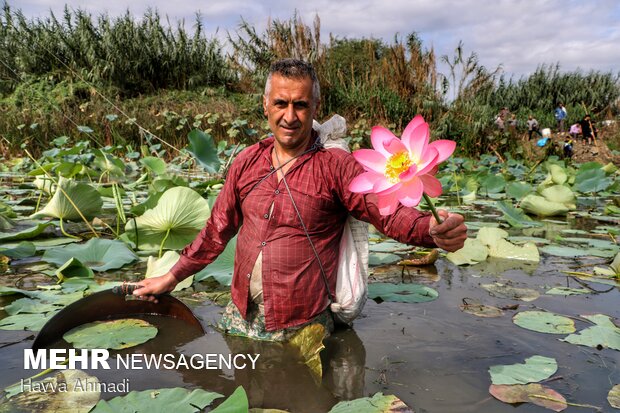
x=416 y=138
x=394 y=146
x=388 y=203
x=379 y=135
x=428 y=162
x=432 y=186
x=410 y=193
x=370 y=160
x=383 y=186
x=444 y=147
x=409 y=174
x=365 y=182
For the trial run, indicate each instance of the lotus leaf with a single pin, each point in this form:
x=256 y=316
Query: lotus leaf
x=23 y=250
x=402 y=293
x=203 y=149
x=309 y=342
x=177 y=400
x=591 y=180
x=389 y=246
x=561 y=194
x=605 y=333
x=515 y=216
x=108 y=163
x=544 y=322
x=30 y=306
x=236 y=402
x=518 y=190
x=382 y=258
x=563 y=251
x=156 y=267
x=176 y=220
x=558 y=174
x=31 y=322
x=567 y=291
x=154 y=164
x=73 y=268
x=489 y=236
x=492 y=184
x=535 y=369
x=70 y=394
x=472 y=253
x=375 y=404
x=222 y=268
x=481 y=310
x=614 y=396
x=529 y=393
x=612 y=271
x=25 y=233
x=540 y=206
x=97 y=253
x=508 y=291
x=506 y=250
x=115 y=334
x=84 y=197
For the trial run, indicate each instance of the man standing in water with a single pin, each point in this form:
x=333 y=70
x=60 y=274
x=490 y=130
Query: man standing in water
x=279 y=285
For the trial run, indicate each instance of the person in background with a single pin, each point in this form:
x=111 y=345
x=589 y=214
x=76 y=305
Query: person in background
x=575 y=130
x=560 y=114
x=499 y=122
x=512 y=125
x=568 y=148
x=588 y=130
x=532 y=127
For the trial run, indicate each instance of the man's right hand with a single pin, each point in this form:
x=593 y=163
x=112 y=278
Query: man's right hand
x=151 y=287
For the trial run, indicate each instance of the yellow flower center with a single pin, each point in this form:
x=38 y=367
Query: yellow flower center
x=396 y=165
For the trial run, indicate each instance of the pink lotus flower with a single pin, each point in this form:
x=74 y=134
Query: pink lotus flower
x=401 y=170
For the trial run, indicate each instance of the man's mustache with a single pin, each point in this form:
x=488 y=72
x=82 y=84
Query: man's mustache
x=290 y=126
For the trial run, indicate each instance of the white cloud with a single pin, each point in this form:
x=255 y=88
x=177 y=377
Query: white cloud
x=518 y=34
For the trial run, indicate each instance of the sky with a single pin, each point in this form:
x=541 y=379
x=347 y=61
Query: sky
x=519 y=35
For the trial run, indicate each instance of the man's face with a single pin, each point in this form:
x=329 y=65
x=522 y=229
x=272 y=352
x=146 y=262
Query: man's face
x=290 y=110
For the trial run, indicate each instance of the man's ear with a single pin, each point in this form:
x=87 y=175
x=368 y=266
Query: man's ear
x=265 y=105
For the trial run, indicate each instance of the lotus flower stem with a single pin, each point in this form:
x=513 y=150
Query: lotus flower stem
x=432 y=208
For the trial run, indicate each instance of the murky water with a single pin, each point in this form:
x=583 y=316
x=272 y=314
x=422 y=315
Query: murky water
x=433 y=356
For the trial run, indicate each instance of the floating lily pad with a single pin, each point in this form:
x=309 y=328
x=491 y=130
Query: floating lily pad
x=176 y=400
x=529 y=393
x=506 y=250
x=375 y=404
x=389 y=246
x=29 y=306
x=544 y=322
x=23 y=250
x=535 y=369
x=382 y=258
x=236 y=402
x=156 y=267
x=614 y=396
x=21 y=233
x=402 y=293
x=176 y=220
x=222 y=268
x=566 y=291
x=97 y=253
x=73 y=391
x=604 y=334
x=563 y=251
x=518 y=190
x=115 y=334
x=73 y=268
x=515 y=216
x=508 y=291
x=83 y=196
x=540 y=206
x=472 y=253
x=31 y=322
x=561 y=194
x=481 y=310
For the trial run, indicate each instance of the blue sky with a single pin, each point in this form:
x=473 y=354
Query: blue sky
x=518 y=34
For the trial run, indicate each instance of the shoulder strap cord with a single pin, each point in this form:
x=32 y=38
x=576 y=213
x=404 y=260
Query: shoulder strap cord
x=303 y=225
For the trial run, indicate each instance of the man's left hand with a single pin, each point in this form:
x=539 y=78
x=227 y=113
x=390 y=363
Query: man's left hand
x=451 y=234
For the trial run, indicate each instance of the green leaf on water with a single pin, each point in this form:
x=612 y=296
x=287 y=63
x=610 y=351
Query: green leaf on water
x=177 y=400
x=115 y=334
x=25 y=233
x=507 y=291
x=472 y=253
x=154 y=164
x=375 y=404
x=73 y=268
x=74 y=391
x=518 y=190
x=535 y=369
x=97 y=253
x=31 y=322
x=23 y=250
x=544 y=322
x=529 y=393
x=540 y=206
x=604 y=333
x=156 y=267
x=567 y=291
x=29 y=306
x=382 y=258
x=402 y=293
x=515 y=216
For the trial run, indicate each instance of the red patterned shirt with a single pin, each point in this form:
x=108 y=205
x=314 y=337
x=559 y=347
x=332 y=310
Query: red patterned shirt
x=293 y=288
